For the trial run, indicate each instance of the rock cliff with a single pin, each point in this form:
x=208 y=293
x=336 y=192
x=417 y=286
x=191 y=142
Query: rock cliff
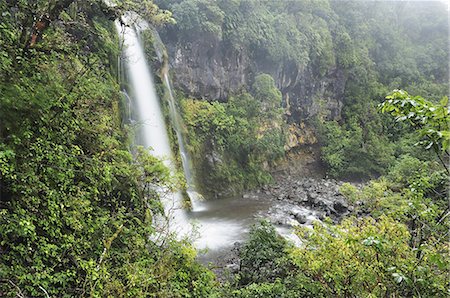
x=206 y=67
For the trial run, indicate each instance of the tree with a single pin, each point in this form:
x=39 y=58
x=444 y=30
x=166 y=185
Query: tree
x=268 y=94
x=367 y=257
x=30 y=19
x=263 y=257
x=76 y=206
x=431 y=120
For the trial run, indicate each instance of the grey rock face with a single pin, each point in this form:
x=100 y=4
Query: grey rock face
x=300 y=218
x=208 y=68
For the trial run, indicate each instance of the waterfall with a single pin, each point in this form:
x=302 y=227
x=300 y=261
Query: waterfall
x=194 y=196
x=128 y=112
x=191 y=188
x=152 y=128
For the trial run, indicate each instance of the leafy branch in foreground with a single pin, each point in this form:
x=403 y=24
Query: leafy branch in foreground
x=430 y=119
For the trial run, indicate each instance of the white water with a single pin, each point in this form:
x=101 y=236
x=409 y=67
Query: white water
x=149 y=110
x=129 y=108
x=191 y=189
x=153 y=130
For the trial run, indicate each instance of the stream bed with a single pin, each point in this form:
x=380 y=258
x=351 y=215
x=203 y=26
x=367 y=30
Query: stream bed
x=222 y=224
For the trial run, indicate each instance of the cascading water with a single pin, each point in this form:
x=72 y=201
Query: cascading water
x=191 y=189
x=153 y=130
x=149 y=115
x=128 y=108
x=215 y=232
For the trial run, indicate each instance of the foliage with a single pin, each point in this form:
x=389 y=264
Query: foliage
x=210 y=120
x=370 y=258
x=267 y=93
x=356 y=150
x=199 y=15
x=379 y=56
x=418 y=199
x=272 y=30
x=360 y=257
x=238 y=136
x=355 y=50
x=267 y=269
x=431 y=120
x=349 y=192
x=146 y=9
x=285 y=288
x=397 y=248
x=415 y=194
x=76 y=207
x=407 y=169
x=263 y=255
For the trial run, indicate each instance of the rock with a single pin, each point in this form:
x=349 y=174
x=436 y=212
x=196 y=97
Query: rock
x=312 y=196
x=322 y=204
x=279 y=222
x=294 y=223
x=300 y=218
x=340 y=206
x=232 y=268
x=209 y=67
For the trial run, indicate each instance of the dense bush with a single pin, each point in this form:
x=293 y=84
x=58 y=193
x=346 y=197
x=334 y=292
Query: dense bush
x=372 y=258
x=77 y=208
x=263 y=257
x=231 y=142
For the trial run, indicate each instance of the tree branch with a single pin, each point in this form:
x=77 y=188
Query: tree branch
x=44 y=21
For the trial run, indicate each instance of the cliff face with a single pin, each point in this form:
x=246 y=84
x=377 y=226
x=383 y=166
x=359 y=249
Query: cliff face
x=208 y=68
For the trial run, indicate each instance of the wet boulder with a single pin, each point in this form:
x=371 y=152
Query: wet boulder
x=340 y=206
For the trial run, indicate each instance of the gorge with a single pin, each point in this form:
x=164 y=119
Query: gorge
x=236 y=148
x=217 y=230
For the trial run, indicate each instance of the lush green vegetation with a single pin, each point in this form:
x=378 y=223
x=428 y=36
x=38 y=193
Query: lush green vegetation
x=396 y=246
x=77 y=208
x=387 y=54
x=239 y=138
x=376 y=46
x=399 y=248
